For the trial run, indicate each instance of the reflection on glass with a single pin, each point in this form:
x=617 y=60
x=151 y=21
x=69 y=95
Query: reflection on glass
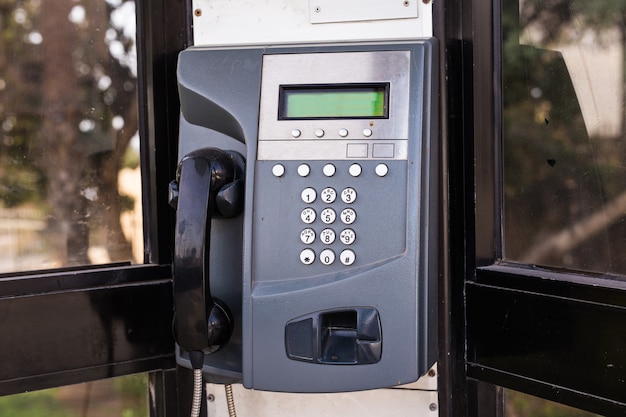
x=118 y=397
x=564 y=147
x=69 y=176
x=517 y=404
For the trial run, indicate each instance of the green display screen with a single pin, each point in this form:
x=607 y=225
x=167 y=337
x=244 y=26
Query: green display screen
x=334 y=102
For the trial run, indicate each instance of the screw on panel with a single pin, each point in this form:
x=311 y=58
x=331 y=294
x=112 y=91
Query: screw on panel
x=406 y=3
x=426 y=1
x=318 y=9
x=432 y=373
x=210 y=398
x=432 y=407
x=197 y=12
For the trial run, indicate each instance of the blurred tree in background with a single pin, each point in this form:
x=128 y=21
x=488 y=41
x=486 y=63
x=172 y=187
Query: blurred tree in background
x=522 y=405
x=68 y=111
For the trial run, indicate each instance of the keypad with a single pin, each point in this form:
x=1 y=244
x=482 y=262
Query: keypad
x=336 y=236
x=329 y=198
x=328 y=214
x=346 y=209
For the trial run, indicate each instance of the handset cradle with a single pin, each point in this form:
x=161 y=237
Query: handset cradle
x=207 y=186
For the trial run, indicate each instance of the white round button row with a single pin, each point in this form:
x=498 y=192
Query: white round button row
x=309 y=195
x=367 y=132
x=329 y=170
x=328 y=236
x=328 y=216
x=327 y=257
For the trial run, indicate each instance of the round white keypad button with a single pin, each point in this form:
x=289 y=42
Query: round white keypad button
x=329 y=170
x=327 y=257
x=348 y=195
x=327 y=236
x=309 y=195
x=304 y=170
x=347 y=236
x=382 y=170
x=278 y=170
x=355 y=170
x=307 y=256
x=308 y=215
x=328 y=195
x=307 y=236
x=328 y=216
x=348 y=216
x=347 y=257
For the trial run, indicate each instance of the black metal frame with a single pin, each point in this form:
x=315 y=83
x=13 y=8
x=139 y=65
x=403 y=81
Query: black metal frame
x=455 y=25
x=163 y=31
x=69 y=327
x=552 y=334
x=448 y=23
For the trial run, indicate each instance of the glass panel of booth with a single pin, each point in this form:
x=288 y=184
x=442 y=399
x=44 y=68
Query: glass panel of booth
x=564 y=154
x=70 y=189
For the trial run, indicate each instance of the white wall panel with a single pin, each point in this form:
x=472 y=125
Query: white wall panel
x=231 y=22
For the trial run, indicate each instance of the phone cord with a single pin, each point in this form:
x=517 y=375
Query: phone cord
x=230 y=400
x=197 y=393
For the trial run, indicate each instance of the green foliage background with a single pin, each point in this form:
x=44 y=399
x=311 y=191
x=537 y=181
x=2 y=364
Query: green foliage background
x=131 y=391
x=522 y=405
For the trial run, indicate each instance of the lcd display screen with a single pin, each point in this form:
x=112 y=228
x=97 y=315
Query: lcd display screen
x=346 y=101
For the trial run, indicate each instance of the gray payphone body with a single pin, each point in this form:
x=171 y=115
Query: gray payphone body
x=330 y=273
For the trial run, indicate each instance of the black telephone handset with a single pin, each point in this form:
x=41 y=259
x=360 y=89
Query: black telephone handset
x=208 y=185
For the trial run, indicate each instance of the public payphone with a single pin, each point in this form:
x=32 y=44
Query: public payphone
x=307 y=206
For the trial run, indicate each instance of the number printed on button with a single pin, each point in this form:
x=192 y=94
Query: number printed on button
x=348 y=195
x=327 y=236
x=347 y=236
x=329 y=195
x=328 y=216
x=309 y=195
x=307 y=236
x=327 y=257
x=348 y=216
x=308 y=215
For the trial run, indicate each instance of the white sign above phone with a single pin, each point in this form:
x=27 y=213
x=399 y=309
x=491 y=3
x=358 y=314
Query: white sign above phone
x=248 y=22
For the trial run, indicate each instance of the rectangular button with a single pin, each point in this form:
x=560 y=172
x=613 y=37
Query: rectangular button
x=383 y=150
x=356 y=150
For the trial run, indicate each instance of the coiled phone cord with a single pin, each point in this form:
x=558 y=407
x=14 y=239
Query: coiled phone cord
x=230 y=400
x=196 y=401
